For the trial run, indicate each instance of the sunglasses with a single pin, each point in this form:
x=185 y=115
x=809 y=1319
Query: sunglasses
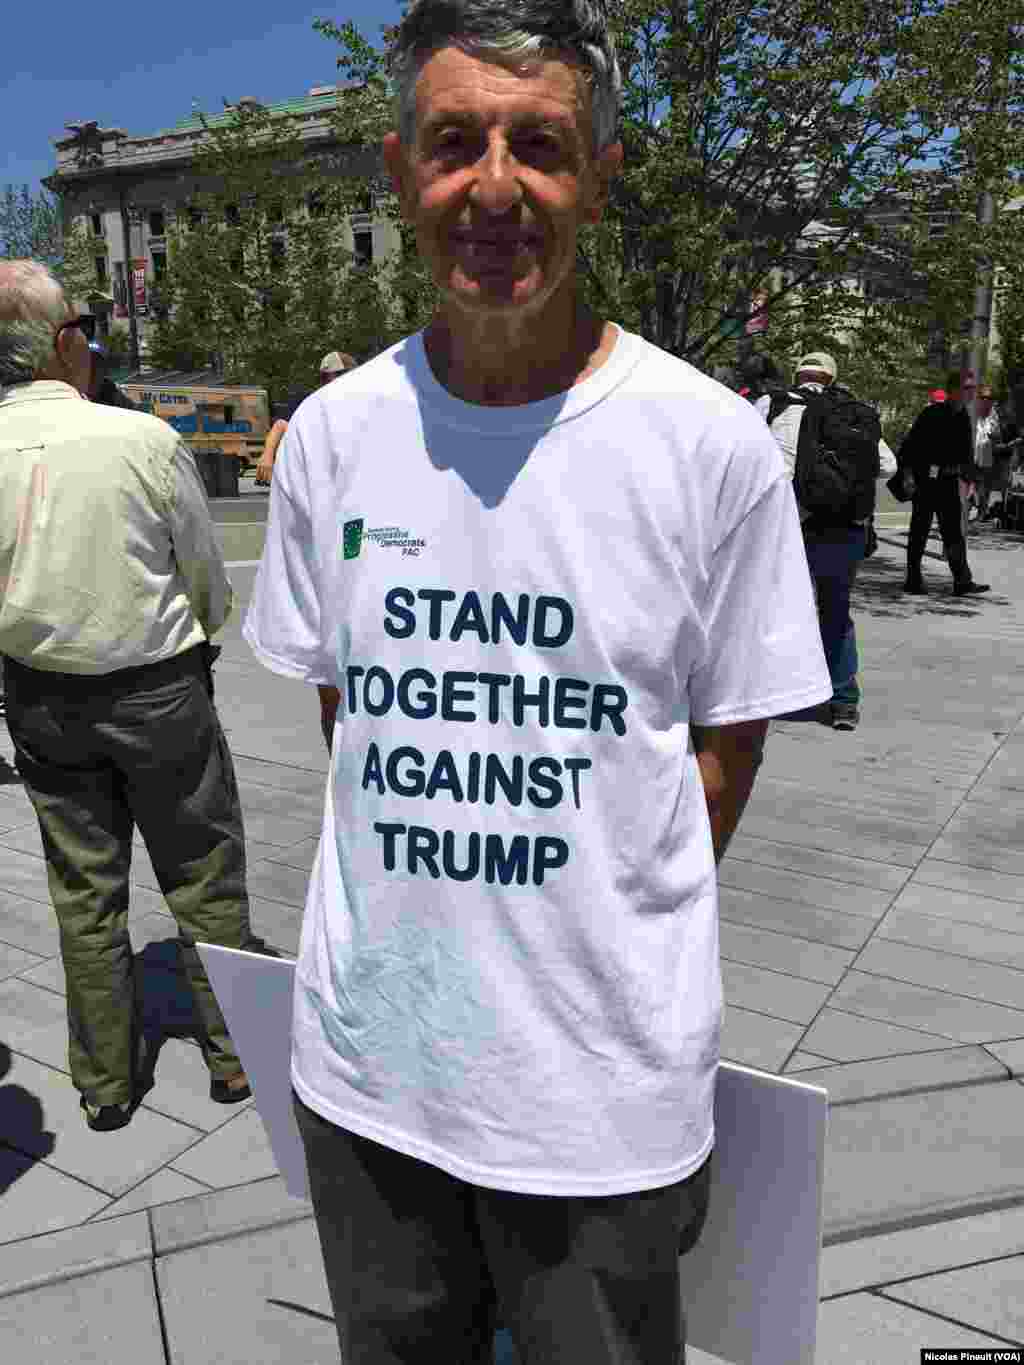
x=85 y=323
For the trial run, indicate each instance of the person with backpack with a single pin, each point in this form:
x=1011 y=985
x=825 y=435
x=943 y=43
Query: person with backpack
x=937 y=451
x=833 y=447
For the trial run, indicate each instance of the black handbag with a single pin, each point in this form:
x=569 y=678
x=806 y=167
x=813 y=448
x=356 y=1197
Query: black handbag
x=897 y=487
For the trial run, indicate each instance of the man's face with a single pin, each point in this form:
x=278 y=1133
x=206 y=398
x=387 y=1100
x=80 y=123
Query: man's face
x=984 y=402
x=500 y=178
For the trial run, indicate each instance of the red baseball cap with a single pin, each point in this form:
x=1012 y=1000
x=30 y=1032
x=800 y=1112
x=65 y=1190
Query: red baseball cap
x=937 y=395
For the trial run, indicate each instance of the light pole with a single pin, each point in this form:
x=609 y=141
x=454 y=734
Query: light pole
x=130 y=216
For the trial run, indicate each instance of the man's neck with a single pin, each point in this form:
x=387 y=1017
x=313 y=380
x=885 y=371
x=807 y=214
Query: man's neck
x=502 y=363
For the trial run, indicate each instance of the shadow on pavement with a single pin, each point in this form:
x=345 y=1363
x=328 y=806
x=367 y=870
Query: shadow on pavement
x=168 y=1010
x=21 y=1124
x=878 y=591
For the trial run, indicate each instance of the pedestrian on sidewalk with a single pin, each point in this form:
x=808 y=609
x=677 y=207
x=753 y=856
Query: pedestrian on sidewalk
x=817 y=420
x=334 y=364
x=112 y=585
x=938 y=451
x=551 y=578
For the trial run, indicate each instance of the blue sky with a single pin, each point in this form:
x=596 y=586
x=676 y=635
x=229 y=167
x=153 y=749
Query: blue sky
x=140 y=68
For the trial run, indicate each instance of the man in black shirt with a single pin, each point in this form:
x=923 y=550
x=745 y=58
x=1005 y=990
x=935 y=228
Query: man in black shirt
x=937 y=452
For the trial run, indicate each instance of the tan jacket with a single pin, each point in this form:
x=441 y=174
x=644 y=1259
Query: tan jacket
x=108 y=557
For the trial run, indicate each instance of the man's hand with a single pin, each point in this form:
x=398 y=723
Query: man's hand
x=729 y=757
x=265 y=465
x=330 y=699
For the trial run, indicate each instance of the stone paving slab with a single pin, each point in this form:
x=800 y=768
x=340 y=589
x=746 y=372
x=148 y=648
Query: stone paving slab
x=980 y=853
x=806 y=1061
x=823 y=892
x=756 y=1040
x=896 y=1257
x=893 y=1160
x=966 y=906
x=955 y=974
x=1010 y=1053
x=235 y=1154
x=974 y=880
x=110 y=1163
x=883 y=1077
x=163 y=1188
x=224 y=1214
x=769 y=992
x=986 y=1297
x=835 y=927
x=262 y=1299
x=783 y=952
x=927 y=1008
x=835 y=839
x=99 y=1319
x=815 y=862
x=16 y=960
x=36 y=1199
x=851 y=1037
x=866 y=1329
x=300 y=855
x=903 y=801
x=972 y=941
x=76 y=1251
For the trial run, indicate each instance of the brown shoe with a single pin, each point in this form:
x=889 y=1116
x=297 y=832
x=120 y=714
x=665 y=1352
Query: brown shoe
x=231 y=1090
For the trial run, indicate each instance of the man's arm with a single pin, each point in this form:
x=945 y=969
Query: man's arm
x=729 y=757
x=265 y=466
x=330 y=698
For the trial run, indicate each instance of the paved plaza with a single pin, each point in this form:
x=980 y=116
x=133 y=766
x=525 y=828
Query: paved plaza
x=872 y=937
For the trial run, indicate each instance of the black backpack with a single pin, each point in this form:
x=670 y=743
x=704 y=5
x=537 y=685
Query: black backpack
x=837 y=453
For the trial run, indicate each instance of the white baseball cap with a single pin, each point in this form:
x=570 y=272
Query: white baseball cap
x=820 y=361
x=336 y=363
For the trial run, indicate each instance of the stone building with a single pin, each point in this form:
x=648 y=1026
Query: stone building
x=125 y=189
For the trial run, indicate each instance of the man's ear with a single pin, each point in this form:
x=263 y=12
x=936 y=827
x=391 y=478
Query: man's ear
x=606 y=169
x=397 y=166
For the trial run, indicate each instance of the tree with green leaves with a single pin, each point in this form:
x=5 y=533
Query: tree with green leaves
x=791 y=160
x=261 y=276
x=32 y=227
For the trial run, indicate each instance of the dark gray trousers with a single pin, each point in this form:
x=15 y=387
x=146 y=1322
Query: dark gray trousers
x=99 y=756
x=422 y=1266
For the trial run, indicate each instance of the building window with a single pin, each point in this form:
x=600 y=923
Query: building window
x=159 y=264
x=157 y=226
x=363 y=246
x=101 y=271
x=97 y=225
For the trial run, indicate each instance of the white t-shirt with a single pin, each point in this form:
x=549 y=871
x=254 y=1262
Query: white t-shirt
x=509 y=959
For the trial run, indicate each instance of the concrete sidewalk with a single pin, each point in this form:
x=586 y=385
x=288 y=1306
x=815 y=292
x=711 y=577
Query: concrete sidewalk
x=872 y=939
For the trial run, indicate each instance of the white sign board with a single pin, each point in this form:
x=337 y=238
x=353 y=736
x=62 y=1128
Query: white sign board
x=750 y=1287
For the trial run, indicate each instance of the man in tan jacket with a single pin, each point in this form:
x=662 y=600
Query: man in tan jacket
x=111 y=584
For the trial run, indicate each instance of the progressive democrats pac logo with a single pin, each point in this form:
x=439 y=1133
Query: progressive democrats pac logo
x=353 y=538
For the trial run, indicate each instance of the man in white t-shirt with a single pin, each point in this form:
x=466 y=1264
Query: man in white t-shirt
x=550 y=583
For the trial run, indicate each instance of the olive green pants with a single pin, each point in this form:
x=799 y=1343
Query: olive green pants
x=99 y=756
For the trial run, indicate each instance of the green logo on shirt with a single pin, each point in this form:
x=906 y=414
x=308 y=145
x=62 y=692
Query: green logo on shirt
x=353 y=538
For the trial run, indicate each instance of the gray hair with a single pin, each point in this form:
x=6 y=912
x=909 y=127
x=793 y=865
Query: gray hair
x=511 y=31
x=32 y=307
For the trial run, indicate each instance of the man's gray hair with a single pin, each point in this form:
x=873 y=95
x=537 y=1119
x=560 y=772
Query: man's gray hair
x=32 y=307
x=511 y=31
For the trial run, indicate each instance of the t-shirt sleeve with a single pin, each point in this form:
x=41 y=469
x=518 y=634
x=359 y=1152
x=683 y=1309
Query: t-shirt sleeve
x=763 y=654
x=282 y=625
